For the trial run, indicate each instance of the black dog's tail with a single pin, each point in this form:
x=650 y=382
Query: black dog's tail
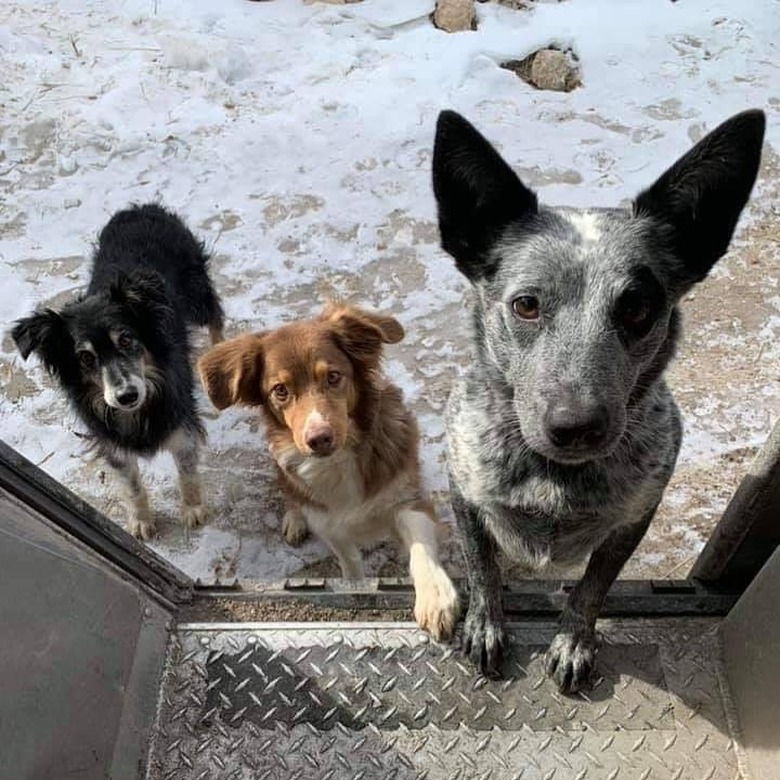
x=205 y=308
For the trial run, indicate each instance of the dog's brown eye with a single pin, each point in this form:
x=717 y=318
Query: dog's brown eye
x=333 y=377
x=526 y=307
x=280 y=392
x=635 y=315
x=125 y=340
x=87 y=359
x=634 y=310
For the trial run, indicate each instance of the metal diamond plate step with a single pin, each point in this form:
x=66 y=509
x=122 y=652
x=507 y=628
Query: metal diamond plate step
x=382 y=702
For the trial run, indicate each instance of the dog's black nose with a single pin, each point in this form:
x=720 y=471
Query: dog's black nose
x=321 y=443
x=128 y=397
x=569 y=426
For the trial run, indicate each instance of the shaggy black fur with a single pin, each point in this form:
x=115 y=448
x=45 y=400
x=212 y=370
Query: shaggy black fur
x=149 y=279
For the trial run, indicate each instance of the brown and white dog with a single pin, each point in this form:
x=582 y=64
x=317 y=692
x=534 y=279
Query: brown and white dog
x=345 y=445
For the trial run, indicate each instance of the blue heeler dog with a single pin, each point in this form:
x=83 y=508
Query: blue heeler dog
x=562 y=434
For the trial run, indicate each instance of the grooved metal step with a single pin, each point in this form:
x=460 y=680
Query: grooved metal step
x=382 y=702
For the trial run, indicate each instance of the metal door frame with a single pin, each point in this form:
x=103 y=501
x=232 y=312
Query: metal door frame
x=74 y=516
x=743 y=540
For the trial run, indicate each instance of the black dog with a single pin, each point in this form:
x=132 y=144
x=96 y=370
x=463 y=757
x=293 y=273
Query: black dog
x=122 y=355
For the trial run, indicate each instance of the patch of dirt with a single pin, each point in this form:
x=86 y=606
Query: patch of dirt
x=224 y=221
x=13 y=227
x=541 y=177
x=219 y=610
x=67 y=266
x=15 y=384
x=401 y=226
x=279 y=209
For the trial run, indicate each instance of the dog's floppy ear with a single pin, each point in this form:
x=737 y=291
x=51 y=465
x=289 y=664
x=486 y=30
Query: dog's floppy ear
x=361 y=333
x=477 y=194
x=143 y=292
x=46 y=334
x=232 y=371
x=699 y=199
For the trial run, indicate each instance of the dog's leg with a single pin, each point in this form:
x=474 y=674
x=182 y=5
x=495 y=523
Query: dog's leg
x=484 y=638
x=141 y=524
x=295 y=529
x=572 y=652
x=436 y=606
x=216 y=317
x=184 y=448
x=216 y=332
x=349 y=557
x=344 y=548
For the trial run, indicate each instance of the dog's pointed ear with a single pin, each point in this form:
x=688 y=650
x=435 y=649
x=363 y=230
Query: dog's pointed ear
x=45 y=333
x=362 y=333
x=232 y=371
x=477 y=194
x=699 y=199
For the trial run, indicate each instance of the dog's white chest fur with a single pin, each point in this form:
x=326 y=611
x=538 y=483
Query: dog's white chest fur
x=339 y=507
x=334 y=482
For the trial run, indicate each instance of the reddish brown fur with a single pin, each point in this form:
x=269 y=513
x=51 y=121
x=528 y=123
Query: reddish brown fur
x=320 y=378
x=364 y=409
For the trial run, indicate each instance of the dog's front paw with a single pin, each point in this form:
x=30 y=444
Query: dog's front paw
x=571 y=657
x=484 y=639
x=294 y=527
x=142 y=530
x=436 y=606
x=193 y=515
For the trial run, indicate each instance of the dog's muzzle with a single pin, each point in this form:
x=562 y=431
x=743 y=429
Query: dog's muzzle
x=568 y=427
x=318 y=435
x=577 y=430
x=124 y=392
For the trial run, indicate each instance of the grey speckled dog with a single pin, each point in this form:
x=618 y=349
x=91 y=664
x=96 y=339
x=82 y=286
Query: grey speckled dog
x=562 y=434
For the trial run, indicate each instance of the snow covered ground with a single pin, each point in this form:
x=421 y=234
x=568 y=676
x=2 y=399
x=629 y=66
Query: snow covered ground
x=296 y=140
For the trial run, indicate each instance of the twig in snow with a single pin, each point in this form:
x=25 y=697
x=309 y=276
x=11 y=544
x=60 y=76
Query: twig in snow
x=155 y=49
x=42 y=90
x=677 y=567
x=217 y=237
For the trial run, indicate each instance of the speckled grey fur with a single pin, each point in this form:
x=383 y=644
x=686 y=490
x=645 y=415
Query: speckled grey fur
x=512 y=486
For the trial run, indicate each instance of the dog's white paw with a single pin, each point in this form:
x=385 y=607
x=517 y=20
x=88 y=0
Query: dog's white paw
x=571 y=657
x=143 y=530
x=436 y=606
x=294 y=527
x=193 y=515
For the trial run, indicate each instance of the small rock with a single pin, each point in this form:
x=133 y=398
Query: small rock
x=454 y=15
x=71 y=203
x=551 y=69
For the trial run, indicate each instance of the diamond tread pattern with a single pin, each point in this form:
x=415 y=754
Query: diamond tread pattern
x=382 y=702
